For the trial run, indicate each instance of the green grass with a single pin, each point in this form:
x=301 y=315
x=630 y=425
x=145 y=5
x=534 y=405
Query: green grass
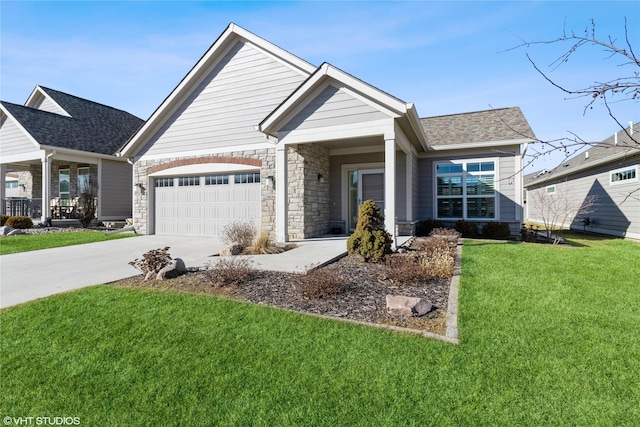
x=550 y=336
x=33 y=242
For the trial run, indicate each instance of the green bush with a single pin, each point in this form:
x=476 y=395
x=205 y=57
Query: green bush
x=423 y=228
x=467 y=229
x=19 y=222
x=370 y=239
x=496 y=230
x=3 y=219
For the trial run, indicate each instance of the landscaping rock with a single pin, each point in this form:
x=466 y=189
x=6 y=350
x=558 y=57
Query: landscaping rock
x=16 y=232
x=5 y=230
x=409 y=306
x=232 y=249
x=172 y=270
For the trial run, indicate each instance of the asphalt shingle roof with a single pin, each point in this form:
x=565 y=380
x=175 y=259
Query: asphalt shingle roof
x=500 y=124
x=92 y=127
x=597 y=154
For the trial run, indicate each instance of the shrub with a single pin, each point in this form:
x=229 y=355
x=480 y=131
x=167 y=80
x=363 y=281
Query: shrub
x=370 y=239
x=438 y=243
x=404 y=270
x=19 y=222
x=3 y=219
x=87 y=205
x=446 y=233
x=467 y=229
x=439 y=263
x=320 y=284
x=263 y=246
x=241 y=232
x=228 y=271
x=496 y=230
x=424 y=228
x=152 y=261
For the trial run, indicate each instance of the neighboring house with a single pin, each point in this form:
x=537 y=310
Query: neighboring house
x=59 y=145
x=609 y=171
x=253 y=132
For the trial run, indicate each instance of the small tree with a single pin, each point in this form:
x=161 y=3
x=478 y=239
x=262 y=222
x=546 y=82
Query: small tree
x=556 y=209
x=370 y=239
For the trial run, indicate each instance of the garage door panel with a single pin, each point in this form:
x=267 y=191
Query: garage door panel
x=205 y=209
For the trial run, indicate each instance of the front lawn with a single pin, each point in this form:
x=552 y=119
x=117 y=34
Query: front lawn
x=549 y=336
x=33 y=242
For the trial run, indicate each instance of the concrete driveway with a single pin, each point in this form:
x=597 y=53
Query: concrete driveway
x=28 y=276
x=31 y=275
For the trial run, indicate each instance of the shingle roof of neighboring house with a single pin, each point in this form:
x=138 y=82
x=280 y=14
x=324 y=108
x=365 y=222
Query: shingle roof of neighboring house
x=92 y=127
x=600 y=153
x=500 y=124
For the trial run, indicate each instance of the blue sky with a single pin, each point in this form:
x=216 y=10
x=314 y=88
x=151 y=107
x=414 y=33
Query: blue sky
x=446 y=57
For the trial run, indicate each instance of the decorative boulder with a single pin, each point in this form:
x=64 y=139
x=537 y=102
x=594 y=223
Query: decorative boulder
x=5 y=230
x=232 y=249
x=409 y=306
x=16 y=232
x=172 y=270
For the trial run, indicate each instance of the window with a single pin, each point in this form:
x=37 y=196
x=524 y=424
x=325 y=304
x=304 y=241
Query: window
x=625 y=174
x=247 y=178
x=216 y=179
x=11 y=184
x=164 y=182
x=465 y=190
x=187 y=181
x=83 y=179
x=64 y=186
x=551 y=189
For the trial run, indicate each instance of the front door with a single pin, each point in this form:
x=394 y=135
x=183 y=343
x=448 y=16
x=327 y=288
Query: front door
x=364 y=184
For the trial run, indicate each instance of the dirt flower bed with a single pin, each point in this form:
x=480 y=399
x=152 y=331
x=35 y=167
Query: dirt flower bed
x=360 y=295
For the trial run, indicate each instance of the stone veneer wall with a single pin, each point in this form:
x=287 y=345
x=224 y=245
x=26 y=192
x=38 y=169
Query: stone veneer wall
x=308 y=203
x=264 y=156
x=73 y=177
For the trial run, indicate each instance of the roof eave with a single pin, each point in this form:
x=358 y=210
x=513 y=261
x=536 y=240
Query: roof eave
x=482 y=144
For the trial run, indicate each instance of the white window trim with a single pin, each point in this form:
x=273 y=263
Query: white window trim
x=464 y=162
x=553 y=189
x=623 y=181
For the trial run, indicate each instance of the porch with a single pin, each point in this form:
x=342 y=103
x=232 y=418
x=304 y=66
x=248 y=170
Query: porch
x=59 y=209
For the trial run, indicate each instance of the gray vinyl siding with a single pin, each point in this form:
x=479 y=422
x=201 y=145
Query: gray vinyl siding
x=333 y=107
x=505 y=182
x=239 y=92
x=14 y=141
x=116 y=189
x=46 y=104
x=614 y=213
x=335 y=177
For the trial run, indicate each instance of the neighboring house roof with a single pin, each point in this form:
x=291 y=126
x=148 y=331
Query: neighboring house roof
x=89 y=126
x=478 y=128
x=603 y=152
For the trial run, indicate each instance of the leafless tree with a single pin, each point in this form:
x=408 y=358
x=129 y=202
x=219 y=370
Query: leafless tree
x=559 y=208
x=625 y=88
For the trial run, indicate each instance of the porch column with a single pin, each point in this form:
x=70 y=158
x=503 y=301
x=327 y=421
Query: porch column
x=282 y=214
x=409 y=184
x=46 y=187
x=390 y=188
x=3 y=193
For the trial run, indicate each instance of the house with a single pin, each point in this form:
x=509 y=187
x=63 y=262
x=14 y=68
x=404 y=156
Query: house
x=606 y=174
x=253 y=132
x=59 y=145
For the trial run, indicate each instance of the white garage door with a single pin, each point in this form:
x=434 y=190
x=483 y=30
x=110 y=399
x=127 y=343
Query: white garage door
x=203 y=205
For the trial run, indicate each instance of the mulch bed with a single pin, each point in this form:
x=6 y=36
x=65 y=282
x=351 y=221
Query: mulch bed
x=363 y=299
